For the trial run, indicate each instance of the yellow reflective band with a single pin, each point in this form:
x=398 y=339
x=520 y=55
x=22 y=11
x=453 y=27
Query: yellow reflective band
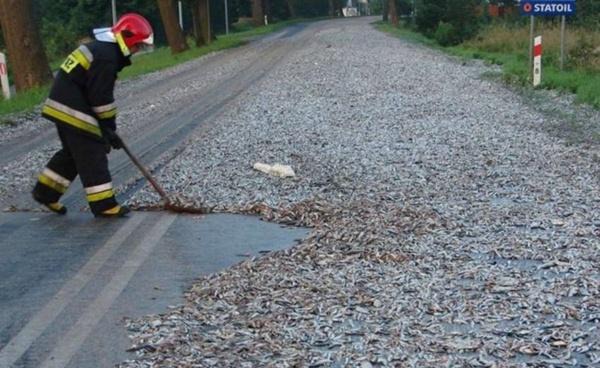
x=72 y=112
x=122 y=44
x=55 y=206
x=99 y=188
x=103 y=108
x=52 y=184
x=71 y=120
x=112 y=211
x=100 y=196
x=69 y=64
x=82 y=59
x=56 y=177
x=108 y=114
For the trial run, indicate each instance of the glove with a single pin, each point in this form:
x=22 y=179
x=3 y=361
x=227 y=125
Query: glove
x=111 y=137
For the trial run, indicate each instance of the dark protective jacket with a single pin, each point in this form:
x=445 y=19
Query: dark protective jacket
x=82 y=96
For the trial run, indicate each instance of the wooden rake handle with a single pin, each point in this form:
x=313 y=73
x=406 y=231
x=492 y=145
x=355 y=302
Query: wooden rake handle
x=145 y=172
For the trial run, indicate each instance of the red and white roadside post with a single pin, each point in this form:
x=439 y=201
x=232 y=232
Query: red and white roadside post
x=537 y=61
x=4 y=76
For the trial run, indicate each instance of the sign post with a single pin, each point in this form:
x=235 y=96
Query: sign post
x=562 y=42
x=537 y=61
x=548 y=8
x=4 y=76
x=531 y=30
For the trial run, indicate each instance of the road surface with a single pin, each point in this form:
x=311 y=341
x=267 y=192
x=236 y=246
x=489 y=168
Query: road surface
x=66 y=283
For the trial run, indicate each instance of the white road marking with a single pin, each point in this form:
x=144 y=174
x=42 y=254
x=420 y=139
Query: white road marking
x=19 y=344
x=70 y=343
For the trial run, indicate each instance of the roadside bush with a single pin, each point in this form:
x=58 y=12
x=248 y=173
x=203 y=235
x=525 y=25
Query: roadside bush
x=501 y=37
x=446 y=34
x=588 y=13
x=582 y=43
x=404 y=7
x=429 y=16
x=450 y=22
x=585 y=54
x=59 y=40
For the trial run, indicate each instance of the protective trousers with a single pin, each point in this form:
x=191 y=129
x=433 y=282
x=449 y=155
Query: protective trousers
x=81 y=155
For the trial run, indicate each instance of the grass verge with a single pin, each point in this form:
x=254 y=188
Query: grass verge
x=508 y=47
x=159 y=59
x=23 y=102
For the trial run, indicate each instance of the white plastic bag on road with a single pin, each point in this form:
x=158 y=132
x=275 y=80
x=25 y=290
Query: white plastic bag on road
x=282 y=171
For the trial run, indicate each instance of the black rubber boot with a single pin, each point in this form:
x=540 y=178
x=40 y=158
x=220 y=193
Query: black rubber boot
x=55 y=207
x=118 y=211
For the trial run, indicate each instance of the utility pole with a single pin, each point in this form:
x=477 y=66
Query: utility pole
x=180 y=14
x=114 y=11
x=226 y=18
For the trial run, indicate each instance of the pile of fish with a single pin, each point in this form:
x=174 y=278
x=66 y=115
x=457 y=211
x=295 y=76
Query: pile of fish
x=449 y=228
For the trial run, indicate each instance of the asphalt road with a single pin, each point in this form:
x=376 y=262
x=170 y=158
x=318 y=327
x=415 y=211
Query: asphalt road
x=67 y=282
x=158 y=136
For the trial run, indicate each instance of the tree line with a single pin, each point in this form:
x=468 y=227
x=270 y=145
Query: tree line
x=35 y=32
x=451 y=22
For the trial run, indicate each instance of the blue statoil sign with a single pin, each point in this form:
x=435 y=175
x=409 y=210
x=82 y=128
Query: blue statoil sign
x=547 y=8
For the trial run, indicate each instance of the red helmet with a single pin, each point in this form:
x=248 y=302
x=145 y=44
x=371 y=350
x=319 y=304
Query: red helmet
x=134 y=30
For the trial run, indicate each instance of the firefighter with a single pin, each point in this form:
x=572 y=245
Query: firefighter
x=82 y=106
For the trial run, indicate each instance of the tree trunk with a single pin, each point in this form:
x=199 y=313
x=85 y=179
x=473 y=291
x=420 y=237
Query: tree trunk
x=331 y=8
x=258 y=15
x=196 y=29
x=291 y=8
x=340 y=6
x=175 y=37
x=26 y=53
x=204 y=20
x=393 y=13
x=385 y=10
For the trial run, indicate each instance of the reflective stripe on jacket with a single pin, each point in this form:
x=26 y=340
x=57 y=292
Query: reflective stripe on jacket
x=82 y=95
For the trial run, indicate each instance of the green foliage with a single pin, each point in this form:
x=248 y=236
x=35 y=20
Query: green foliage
x=590 y=91
x=429 y=15
x=584 y=52
x=160 y=59
x=217 y=14
x=406 y=34
x=59 y=39
x=278 y=9
x=404 y=7
x=376 y=7
x=506 y=3
x=503 y=45
x=448 y=21
x=64 y=23
x=309 y=8
x=507 y=46
x=446 y=34
x=24 y=101
x=588 y=13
